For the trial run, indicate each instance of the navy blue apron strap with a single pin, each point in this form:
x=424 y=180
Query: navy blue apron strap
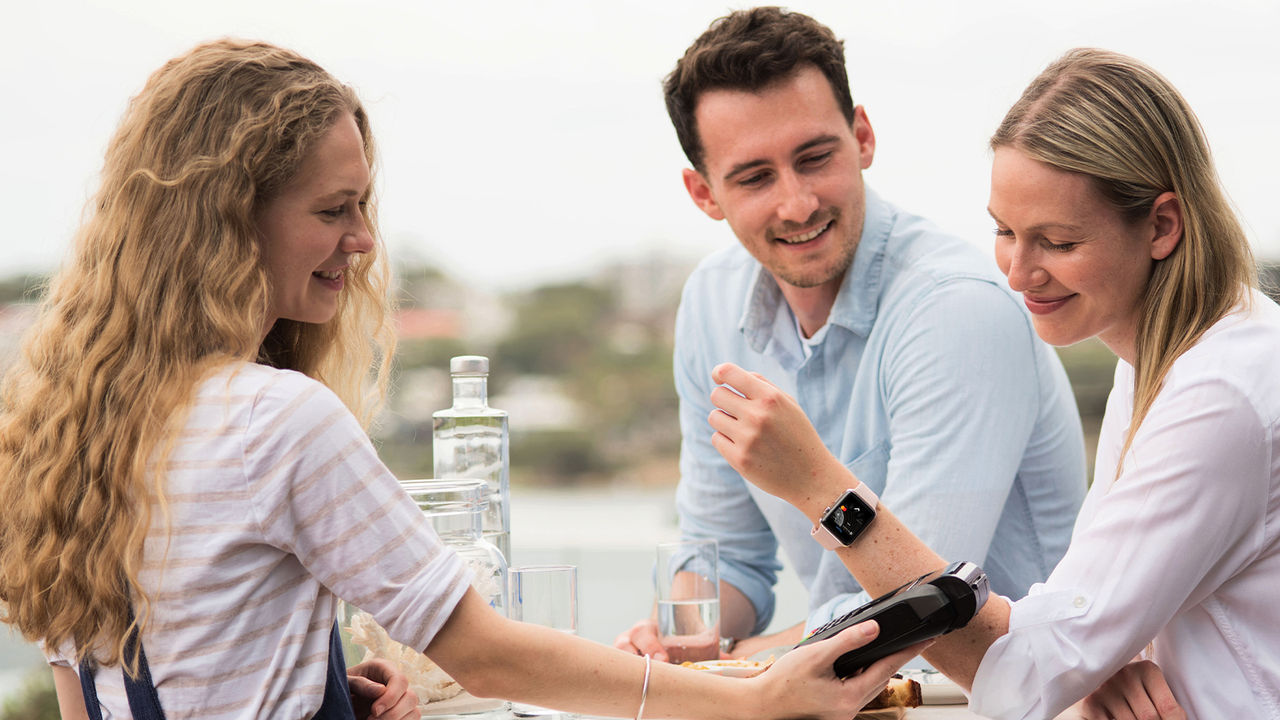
x=144 y=704
x=337 y=694
x=89 y=690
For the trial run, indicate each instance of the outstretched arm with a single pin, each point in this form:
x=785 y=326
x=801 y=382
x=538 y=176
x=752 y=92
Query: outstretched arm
x=492 y=656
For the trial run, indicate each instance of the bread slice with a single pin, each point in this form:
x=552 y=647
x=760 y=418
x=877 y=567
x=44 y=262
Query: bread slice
x=900 y=692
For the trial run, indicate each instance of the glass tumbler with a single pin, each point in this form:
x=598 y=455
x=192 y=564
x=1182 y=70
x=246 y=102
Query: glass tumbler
x=687 y=588
x=544 y=595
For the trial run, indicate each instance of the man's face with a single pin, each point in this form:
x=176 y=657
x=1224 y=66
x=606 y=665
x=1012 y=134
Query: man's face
x=784 y=168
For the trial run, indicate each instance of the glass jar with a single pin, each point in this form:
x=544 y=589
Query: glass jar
x=455 y=509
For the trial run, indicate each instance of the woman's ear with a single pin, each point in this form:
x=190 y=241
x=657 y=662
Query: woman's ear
x=1166 y=221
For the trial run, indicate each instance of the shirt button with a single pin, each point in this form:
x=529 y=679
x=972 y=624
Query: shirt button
x=1079 y=601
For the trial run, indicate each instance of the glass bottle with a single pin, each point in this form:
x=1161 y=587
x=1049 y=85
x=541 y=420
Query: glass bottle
x=469 y=440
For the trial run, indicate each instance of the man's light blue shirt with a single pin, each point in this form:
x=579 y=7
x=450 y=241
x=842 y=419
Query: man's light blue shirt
x=930 y=384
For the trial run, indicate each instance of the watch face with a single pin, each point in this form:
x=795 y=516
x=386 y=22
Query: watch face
x=848 y=517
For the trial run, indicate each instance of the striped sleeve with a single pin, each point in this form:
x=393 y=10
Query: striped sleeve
x=320 y=492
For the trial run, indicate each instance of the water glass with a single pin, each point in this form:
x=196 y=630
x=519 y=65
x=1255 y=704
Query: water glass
x=687 y=587
x=544 y=595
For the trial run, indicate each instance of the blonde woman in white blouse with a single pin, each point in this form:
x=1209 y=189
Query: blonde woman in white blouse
x=1111 y=223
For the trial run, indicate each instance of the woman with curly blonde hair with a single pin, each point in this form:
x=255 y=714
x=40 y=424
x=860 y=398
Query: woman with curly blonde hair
x=189 y=488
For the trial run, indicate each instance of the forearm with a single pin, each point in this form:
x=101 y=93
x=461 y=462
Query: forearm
x=495 y=657
x=737 y=614
x=887 y=555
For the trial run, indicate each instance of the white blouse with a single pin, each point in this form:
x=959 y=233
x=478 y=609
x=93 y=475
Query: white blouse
x=1182 y=548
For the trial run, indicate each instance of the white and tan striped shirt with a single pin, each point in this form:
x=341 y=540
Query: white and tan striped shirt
x=279 y=506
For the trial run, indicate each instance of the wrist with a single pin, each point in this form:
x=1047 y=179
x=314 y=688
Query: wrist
x=825 y=485
x=757 y=701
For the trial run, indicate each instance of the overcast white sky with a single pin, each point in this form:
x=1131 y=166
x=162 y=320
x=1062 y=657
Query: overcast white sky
x=524 y=140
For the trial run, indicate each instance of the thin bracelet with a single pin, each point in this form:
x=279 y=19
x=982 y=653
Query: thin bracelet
x=644 y=693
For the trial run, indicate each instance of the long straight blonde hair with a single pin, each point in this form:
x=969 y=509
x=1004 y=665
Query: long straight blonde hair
x=1112 y=118
x=164 y=285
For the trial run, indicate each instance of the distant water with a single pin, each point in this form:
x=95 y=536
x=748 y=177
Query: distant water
x=609 y=534
x=18 y=660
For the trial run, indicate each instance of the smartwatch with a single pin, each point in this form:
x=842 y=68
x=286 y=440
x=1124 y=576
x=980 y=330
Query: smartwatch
x=845 y=519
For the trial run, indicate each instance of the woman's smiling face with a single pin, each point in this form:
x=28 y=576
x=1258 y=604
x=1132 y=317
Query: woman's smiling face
x=1082 y=267
x=311 y=229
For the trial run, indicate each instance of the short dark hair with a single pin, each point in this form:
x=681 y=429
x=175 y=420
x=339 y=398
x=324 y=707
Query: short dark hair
x=749 y=50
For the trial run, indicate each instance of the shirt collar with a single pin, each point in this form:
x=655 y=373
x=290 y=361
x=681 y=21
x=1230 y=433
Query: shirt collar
x=856 y=302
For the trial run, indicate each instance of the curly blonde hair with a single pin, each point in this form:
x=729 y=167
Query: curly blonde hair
x=165 y=285
x=1124 y=126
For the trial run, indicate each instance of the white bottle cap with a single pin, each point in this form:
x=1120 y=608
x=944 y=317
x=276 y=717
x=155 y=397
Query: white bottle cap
x=469 y=365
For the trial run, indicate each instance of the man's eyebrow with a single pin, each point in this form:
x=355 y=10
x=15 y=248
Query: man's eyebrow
x=753 y=164
x=743 y=167
x=820 y=140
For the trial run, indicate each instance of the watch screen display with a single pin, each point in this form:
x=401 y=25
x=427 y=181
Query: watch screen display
x=848 y=517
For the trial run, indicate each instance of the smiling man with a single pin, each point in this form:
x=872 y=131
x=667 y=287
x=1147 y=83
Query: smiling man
x=903 y=345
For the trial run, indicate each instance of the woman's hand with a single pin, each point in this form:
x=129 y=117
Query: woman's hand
x=1137 y=692
x=765 y=436
x=803 y=683
x=379 y=691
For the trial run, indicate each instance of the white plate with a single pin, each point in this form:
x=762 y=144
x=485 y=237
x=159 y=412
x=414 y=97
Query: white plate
x=936 y=688
x=730 y=668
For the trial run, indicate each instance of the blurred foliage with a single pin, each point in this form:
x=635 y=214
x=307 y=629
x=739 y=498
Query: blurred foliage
x=560 y=457
x=22 y=288
x=612 y=361
x=434 y=352
x=556 y=329
x=614 y=366
x=37 y=699
x=408 y=456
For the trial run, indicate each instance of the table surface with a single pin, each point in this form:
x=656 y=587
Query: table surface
x=924 y=712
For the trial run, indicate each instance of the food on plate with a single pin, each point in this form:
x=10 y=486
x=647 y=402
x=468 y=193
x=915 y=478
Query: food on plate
x=425 y=677
x=900 y=692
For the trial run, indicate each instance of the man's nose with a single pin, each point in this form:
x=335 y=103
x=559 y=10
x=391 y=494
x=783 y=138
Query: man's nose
x=797 y=202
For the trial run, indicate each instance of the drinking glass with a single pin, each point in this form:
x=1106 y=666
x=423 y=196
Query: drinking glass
x=544 y=595
x=687 y=585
